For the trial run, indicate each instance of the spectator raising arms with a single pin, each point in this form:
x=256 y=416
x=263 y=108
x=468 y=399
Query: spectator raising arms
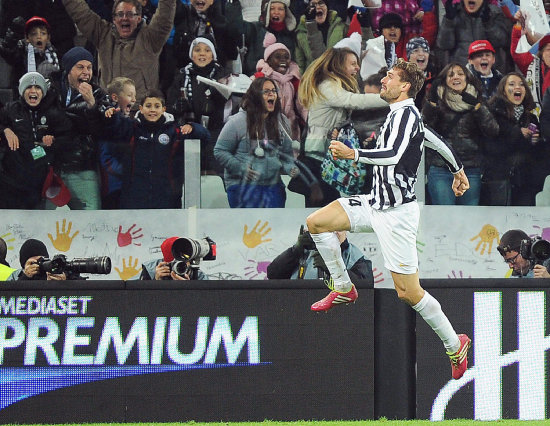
x=132 y=50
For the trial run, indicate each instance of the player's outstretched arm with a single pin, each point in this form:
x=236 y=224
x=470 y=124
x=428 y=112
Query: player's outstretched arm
x=460 y=183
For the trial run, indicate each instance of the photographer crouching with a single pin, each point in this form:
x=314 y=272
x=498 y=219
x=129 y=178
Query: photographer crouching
x=180 y=260
x=528 y=257
x=37 y=265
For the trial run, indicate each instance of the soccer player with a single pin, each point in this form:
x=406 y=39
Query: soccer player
x=391 y=210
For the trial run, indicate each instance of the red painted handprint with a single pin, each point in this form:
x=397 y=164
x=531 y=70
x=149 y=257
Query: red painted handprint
x=126 y=238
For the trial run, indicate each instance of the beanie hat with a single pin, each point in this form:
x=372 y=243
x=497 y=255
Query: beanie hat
x=480 y=46
x=34 y=22
x=75 y=55
x=353 y=43
x=166 y=248
x=205 y=41
x=390 y=20
x=271 y=45
x=415 y=43
x=511 y=241
x=31 y=248
x=33 y=78
x=290 y=20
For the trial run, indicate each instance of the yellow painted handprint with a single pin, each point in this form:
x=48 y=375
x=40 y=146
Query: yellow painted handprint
x=486 y=236
x=128 y=271
x=8 y=238
x=62 y=240
x=254 y=237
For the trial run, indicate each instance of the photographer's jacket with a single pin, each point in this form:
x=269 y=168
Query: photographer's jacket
x=23 y=171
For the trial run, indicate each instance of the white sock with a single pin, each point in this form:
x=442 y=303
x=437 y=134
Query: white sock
x=328 y=246
x=430 y=310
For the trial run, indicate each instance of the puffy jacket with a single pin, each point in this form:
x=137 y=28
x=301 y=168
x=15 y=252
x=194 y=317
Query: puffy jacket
x=153 y=163
x=20 y=170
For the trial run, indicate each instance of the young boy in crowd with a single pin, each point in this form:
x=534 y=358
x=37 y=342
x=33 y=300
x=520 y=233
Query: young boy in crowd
x=481 y=61
x=122 y=93
x=28 y=127
x=31 y=51
x=153 y=165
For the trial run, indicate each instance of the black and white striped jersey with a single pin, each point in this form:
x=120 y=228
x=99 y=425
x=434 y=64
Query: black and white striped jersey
x=398 y=153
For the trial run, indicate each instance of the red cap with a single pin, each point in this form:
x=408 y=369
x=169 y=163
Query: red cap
x=34 y=21
x=166 y=248
x=55 y=190
x=480 y=46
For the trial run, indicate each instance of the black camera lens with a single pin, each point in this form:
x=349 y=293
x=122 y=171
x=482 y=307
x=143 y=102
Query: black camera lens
x=540 y=249
x=90 y=265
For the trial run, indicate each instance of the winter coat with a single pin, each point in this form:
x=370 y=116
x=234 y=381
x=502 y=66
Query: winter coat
x=136 y=57
x=153 y=163
x=332 y=111
x=187 y=29
x=309 y=39
x=456 y=35
x=286 y=265
x=80 y=153
x=464 y=131
x=20 y=171
x=489 y=84
x=509 y=150
x=234 y=150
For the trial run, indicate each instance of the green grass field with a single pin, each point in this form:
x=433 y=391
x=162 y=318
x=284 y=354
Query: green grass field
x=381 y=422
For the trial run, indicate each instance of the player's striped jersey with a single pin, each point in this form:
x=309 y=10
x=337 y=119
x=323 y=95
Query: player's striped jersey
x=398 y=153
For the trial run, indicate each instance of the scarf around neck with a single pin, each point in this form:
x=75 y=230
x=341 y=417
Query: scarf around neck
x=454 y=99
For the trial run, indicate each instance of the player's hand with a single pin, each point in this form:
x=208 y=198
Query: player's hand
x=460 y=183
x=540 y=271
x=11 y=137
x=340 y=150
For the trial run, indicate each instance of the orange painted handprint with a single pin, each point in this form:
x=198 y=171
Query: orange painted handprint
x=254 y=237
x=63 y=240
x=486 y=236
x=128 y=271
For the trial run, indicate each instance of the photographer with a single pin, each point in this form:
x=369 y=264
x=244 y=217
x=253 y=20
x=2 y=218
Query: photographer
x=303 y=261
x=29 y=254
x=168 y=268
x=528 y=257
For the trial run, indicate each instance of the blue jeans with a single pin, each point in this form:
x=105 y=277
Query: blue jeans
x=256 y=196
x=440 y=182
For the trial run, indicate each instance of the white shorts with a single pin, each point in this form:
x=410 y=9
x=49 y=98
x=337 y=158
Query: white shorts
x=396 y=229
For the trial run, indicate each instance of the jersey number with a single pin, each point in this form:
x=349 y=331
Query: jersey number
x=353 y=202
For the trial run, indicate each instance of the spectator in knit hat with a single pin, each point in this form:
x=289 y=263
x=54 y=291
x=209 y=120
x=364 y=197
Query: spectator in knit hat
x=384 y=50
x=276 y=18
x=470 y=20
x=277 y=64
x=533 y=66
x=133 y=48
x=76 y=162
x=481 y=61
x=33 y=52
x=30 y=125
x=167 y=268
x=418 y=51
x=29 y=255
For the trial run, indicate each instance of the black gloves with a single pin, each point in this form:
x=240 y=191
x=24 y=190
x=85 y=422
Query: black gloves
x=318 y=261
x=363 y=16
x=304 y=242
x=450 y=9
x=432 y=93
x=311 y=11
x=469 y=99
x=485 y=12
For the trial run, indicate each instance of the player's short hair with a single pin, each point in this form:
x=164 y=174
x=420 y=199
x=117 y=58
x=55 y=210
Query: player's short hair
x=410 y=73
x=116 y=86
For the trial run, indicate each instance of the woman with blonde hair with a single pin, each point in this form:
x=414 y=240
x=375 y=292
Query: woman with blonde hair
x=329 y=90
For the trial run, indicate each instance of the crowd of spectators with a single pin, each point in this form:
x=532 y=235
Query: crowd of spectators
x=482 y=93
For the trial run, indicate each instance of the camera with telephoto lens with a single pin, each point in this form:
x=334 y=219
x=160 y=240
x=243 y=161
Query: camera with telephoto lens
x=188 y=253
x=535 y=249
x=73 y=268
